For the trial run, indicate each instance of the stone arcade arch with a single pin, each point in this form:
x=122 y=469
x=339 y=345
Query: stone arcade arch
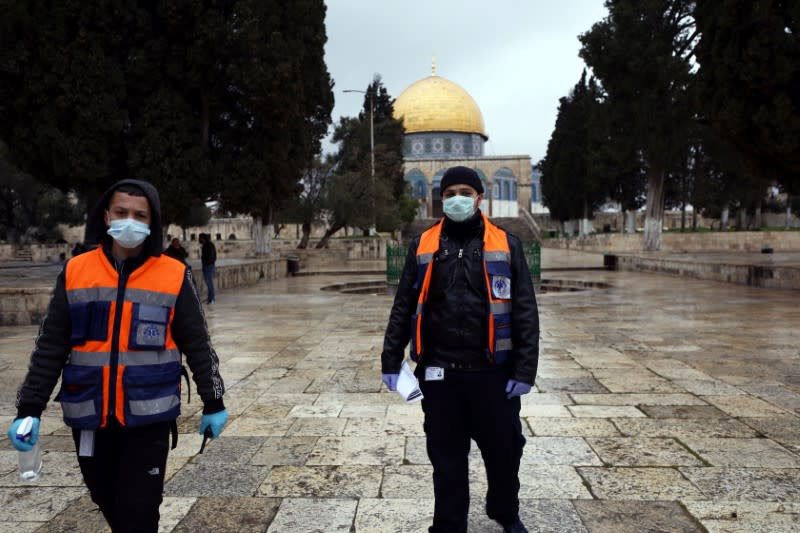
x=504 y=193
x=419 y=190
x=511 y=173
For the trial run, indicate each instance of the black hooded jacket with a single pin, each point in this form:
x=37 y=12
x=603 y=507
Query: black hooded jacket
x=455 y=323
x=189 y=330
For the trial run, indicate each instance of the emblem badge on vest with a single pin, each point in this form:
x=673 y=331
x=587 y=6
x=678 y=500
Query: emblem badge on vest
x=152 y=332
x=501 y=287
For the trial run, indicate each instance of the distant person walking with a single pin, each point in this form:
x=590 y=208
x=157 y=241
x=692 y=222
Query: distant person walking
x=208 y=256
x=176 y=251
x=78 y=249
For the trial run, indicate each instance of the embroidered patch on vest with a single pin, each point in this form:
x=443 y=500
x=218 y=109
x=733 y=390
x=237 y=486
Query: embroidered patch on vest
x=501 y=287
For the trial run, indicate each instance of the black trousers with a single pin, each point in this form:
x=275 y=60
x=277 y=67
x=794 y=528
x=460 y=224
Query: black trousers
x=472 y=405
x=126 y=474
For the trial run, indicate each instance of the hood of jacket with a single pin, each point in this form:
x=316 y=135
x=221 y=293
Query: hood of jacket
x=96 y=226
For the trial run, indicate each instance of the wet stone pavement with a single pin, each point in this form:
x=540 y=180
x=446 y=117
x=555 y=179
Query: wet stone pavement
x=661 y=404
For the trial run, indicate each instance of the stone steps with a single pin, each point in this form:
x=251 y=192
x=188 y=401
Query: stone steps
x=23 y=253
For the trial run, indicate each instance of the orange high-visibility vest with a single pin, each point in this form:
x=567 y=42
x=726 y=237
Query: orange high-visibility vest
x=124 y=362
x=497 y=272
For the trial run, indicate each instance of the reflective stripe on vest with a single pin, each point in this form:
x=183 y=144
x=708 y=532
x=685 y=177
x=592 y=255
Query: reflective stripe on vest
x=79 y=409
x=497 y=272
x=155 y=406
x=147 y=362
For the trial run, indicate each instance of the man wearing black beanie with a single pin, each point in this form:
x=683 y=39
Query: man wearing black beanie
x=466 y=302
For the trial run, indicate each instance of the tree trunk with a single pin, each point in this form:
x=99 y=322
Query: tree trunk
x=306 y=235
x=654 y=212
x=741 y=219
x=787 y=224
x=683 y=216
x=323 y=242
x=585 y=223
x=757 y=222
x=262 y=238
x=723 y=219
x=630 y=221
x=694 y=219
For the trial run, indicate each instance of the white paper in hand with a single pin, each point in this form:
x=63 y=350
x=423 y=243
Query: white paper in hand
x=407 y=384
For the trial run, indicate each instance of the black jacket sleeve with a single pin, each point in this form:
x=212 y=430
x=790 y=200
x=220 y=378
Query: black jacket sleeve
x=50 y=353
x=525 y=326
x=190 y=331
x=398 y=331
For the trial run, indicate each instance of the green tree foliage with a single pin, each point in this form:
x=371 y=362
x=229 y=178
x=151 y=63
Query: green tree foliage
x=280 y=100
x=615 y=158
x=641 y=53
x=62 y=90
x=354 y=197
x=307 y=206
x=208 y=100
x=571 y=187
x=31 y=210
x=749 y=83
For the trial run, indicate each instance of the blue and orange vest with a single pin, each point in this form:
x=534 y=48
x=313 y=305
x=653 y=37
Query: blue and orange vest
x=124 y=362
x=497 y=270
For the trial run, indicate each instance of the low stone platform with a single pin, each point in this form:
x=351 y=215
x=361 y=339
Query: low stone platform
x=780 y=270
x=662 y=403
x=25 y=289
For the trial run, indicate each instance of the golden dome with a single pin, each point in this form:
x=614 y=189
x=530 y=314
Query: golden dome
x=437 y=104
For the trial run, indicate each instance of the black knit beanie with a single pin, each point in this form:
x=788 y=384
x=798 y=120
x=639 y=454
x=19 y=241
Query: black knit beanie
x=461 y=175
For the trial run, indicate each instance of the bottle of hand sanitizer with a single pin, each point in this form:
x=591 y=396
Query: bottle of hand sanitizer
x=30 y=463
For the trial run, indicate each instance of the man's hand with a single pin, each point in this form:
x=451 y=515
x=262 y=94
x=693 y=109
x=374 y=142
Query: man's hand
x=516 y=388
x=214 y=421
x=390 y=380
x=27 y=444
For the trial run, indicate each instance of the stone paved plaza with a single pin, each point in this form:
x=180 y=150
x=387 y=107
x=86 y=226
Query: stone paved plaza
x=661 y=404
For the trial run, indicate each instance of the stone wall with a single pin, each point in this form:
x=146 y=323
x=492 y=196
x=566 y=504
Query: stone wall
x=39 y=253
x=520 y=166
x=27 y=305
x=614 y=222
x=767 y=276
x=24 y=306
x=239 y=274
x=746 y=241
x=341 y=249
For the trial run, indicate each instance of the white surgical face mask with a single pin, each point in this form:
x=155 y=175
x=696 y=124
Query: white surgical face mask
x=128 y=233
x=459 y=208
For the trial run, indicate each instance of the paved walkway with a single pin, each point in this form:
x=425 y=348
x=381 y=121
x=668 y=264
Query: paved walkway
x=662 y=404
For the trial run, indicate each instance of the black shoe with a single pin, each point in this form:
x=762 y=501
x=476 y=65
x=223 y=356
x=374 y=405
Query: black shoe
x=516 y=527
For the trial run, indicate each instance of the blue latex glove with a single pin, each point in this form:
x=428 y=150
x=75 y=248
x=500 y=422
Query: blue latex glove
x=215 y=421
x=390 y=380
x=26 y=445
x=516 y=388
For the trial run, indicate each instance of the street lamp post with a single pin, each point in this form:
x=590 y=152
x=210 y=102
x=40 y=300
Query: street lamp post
x=371 y=149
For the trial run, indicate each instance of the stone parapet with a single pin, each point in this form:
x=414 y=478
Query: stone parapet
x=744 y=241
x=25 y=306
x=28 y=305
x=761 y=274
x=228 y=275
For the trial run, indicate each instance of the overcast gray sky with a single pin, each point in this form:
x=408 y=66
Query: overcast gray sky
x=515 y=57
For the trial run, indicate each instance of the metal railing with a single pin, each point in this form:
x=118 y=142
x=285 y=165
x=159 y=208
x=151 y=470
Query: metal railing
x=533 y=255
x=395 y=259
